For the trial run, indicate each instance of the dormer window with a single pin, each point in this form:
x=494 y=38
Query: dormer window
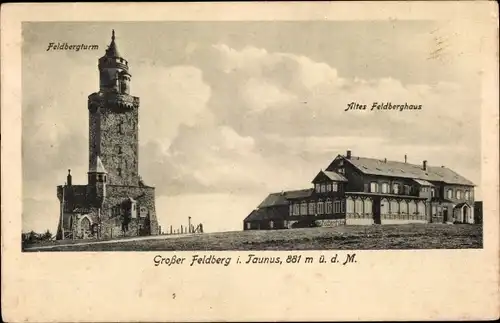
x=407 y=189
x=385 y=188
x=374 y=187
x=449 y=193
x=395 y=188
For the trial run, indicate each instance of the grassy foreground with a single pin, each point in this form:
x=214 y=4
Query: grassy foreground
x=408 y=236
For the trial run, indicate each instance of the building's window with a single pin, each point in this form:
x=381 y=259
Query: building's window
x=312 y=208
x=120 y=127
x=329 y=207
x=424 y=189
x=384 y=206
x=434 y=210
x=358 y=206
x=394 y=207
x=119 y=172
x=368 y=206
x=120 y=149
x=341 y=162
x=296 y=209
x=336 y=207
x=407 y=189
x=449 y=193
x=271 y=224
x=248 y=225
x=374 y=187
x=318 y=187
x=395 y=188
x=321 y=207
x=350 y=206
x=403 y=207
x=341 y=170
x=385 y=188
x=440 y=211
x=458 y=194
x=412 y=208
x=328 y=187
x=335 y=187
x=291 y=209
x=342 y=206
x=421 y=208
x=303 y=208
x=433 y=192
x=467 y=195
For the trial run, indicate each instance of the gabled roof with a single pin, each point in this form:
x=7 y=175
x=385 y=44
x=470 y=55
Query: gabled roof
x=423 y=182
x=333 y=176
x=374 y=166
x=97 y=166
x=276 y=199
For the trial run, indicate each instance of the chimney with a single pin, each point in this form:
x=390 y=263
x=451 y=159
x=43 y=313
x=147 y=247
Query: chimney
x=385 y=160
x=424 y=166
x=348 y=155
x=406 y=158
x=68 y=178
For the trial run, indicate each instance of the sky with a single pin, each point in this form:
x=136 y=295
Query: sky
x=232 y=111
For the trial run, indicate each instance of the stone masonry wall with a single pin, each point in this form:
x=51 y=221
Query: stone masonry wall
x=111 y=224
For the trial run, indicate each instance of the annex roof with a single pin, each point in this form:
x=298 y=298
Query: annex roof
x=97 y=166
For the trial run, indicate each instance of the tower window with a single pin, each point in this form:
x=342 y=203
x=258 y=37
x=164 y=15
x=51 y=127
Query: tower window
x=119 y=172
x=120 y=127
x=120 y=150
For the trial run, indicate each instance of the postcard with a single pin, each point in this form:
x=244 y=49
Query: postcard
x=250 y=161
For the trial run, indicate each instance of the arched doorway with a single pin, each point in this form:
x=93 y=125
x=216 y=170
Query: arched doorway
x=466 y=213
x=85 y=229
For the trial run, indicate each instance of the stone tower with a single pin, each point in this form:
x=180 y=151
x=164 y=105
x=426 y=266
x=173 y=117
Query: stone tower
x=113 y=120
x=115 y=202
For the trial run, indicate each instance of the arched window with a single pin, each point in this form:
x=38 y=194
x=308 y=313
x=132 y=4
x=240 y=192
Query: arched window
x=119 y=172
x=467 y=195
x=358 y=206
x=374 y=187
x=421 y=208
x=450 y=193
x=368 y=206
x=303 y=208
x=412 y=208
x=433 y=192
x=329 y=206
x=385 y=188
x=458 y=194
x=403 y=207
x=120 y=149
x=384 y=206
x=312 y=208
x=394 y=207
x=321 y=207
x=395 y=188
x=350 y=205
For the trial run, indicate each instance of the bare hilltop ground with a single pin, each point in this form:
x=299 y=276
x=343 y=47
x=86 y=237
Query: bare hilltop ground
x=409 y=236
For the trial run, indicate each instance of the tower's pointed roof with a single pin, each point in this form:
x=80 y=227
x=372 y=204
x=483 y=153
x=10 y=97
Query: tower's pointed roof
x=97 y=166
x=112 y=50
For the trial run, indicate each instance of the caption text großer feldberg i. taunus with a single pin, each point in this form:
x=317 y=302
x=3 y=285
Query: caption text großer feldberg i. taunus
x=252 y=259
x=383 y=106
